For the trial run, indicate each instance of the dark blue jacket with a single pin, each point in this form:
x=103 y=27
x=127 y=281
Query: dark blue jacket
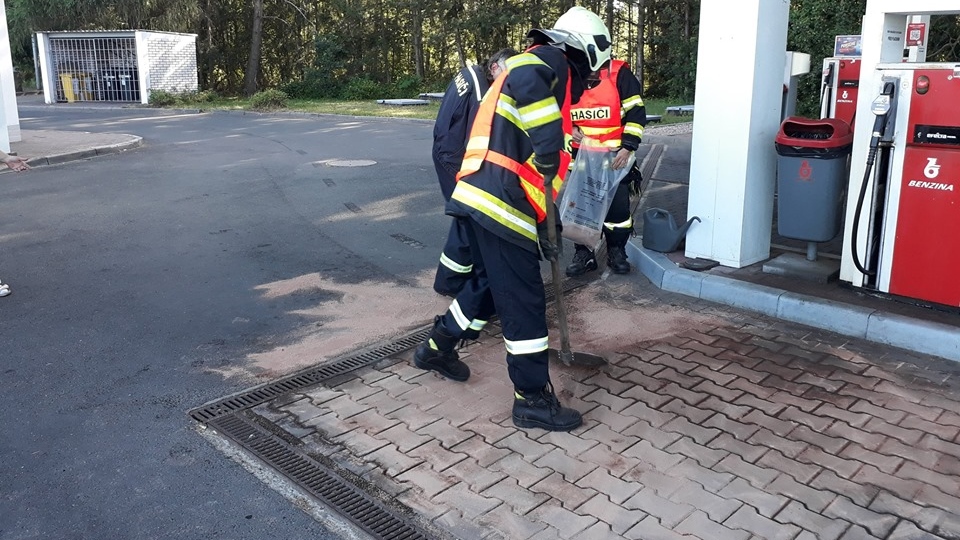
x=454 y=120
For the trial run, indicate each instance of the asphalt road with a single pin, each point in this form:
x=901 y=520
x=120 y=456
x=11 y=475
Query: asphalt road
x=137 y=282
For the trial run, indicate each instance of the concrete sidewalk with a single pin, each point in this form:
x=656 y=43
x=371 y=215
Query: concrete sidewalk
x=48 y=147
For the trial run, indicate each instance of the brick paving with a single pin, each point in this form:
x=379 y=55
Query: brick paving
x=750 y=428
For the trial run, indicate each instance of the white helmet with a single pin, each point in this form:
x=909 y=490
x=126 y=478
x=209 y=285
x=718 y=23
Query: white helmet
x=584 y=30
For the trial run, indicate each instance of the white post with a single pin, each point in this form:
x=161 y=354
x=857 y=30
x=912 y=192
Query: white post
x=143 y=65
x=740 y=66
x=7 y=85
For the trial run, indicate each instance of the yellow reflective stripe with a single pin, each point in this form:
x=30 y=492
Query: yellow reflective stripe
x=536 y=193
x=462 y=321
x=631 y=102
x=523 y=59
x=471 y=164
x=507 y=108
x=594 y=132
x=478 y=142
x=477 y=324
x=542 y=112
x=454 y=265
x=526 y=346
x=496 y=210
x=622 y=225
x=633 y=129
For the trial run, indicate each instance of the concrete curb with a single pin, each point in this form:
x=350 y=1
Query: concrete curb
x=864 y=323
x=56 y=159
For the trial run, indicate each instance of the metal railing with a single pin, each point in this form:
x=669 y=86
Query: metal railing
x=95 y=69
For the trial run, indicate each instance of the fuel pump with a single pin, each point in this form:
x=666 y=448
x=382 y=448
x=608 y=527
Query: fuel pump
x=839 y=88
x=901 y=235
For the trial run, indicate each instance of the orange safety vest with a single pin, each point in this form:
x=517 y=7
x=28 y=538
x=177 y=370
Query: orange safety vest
x=599 y=112
x=530 y=179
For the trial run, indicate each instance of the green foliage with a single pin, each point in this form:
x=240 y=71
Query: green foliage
x=361 y=88
x=162 y=98
x=813 y=26
x=408 y=86
x=269 y=100
x=327 y=49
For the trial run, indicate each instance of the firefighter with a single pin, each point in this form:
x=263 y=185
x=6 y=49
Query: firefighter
x=457 y=110
x=511 y=171
x=611 y=111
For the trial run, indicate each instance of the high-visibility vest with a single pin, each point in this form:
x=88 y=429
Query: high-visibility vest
x=599 y=113
x=478 y=147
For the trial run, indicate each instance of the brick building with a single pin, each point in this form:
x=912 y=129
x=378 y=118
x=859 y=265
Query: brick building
x=122 y=65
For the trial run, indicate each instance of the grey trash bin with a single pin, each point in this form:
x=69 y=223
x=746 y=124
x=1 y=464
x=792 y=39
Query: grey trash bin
x=811 y=176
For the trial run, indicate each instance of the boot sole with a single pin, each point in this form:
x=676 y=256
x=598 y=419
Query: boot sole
x=589 y=268
x=525 y=423
x=442 y=372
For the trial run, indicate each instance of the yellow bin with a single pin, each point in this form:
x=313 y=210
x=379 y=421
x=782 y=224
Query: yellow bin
x=66 y=79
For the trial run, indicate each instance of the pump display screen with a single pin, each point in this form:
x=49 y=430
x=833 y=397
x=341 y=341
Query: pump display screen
x=948 y=135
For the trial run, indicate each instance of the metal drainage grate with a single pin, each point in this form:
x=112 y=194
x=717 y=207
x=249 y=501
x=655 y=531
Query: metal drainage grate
x=326 y=485
x=302 y=379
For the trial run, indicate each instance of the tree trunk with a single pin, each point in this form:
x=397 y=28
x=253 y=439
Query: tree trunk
x=610 y=20
x=641 y=33
x=256 y=39
x=416 y=34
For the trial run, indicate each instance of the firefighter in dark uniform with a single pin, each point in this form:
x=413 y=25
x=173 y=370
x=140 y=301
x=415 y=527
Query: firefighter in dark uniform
x=454 y=119
x=611 y=111
x=511 y=171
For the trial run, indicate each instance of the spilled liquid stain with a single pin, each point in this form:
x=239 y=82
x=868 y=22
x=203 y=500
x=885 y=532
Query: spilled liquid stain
x=353 y=316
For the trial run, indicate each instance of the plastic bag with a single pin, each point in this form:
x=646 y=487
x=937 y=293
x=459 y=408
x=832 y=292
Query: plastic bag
x=588 y=192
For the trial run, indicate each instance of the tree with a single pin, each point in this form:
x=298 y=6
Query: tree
x=256 y=40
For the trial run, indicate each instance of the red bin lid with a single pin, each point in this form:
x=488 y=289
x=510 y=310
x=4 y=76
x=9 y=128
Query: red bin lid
x=810 y=133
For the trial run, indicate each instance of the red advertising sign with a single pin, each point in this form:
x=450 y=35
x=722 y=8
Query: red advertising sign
x=916 y=33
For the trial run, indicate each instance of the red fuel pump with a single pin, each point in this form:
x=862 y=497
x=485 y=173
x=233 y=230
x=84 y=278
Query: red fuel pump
x=840 y=87
x=913 y=237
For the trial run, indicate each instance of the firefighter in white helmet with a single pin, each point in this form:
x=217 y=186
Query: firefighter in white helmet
x=515 y=161
x=610 y=112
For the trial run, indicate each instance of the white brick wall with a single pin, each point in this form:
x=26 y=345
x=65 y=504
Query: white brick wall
x=173 y=62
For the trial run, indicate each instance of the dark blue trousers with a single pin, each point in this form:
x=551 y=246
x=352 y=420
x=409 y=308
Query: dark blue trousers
x=506 y=280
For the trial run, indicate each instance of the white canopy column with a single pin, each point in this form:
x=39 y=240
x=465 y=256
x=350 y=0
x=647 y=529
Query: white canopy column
x=740 y=66
x=8 y=91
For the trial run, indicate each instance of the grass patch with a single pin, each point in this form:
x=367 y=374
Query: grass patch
x=424 y=112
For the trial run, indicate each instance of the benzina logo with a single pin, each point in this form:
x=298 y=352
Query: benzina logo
x=937 y=186
x=599 y=113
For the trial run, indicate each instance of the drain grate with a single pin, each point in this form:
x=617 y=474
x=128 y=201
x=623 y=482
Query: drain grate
x=323 y=483
x=302 y=379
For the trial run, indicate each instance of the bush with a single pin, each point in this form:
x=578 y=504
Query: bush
x=362 y=88
x=162 y=98
x=316 y=84
x=409 y=86
x=269 y=100
x=197 y=96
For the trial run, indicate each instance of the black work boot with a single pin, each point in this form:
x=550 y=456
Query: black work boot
x=617 y=260
x=543 y=410
x=438 y=354
x=583 y=262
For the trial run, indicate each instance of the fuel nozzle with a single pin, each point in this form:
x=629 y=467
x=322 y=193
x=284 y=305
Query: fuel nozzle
x=881 y=108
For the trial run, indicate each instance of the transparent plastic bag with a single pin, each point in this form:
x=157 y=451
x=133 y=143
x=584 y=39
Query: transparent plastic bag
x=588 y=192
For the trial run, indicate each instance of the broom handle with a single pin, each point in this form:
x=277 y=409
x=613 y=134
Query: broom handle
x=555 y=267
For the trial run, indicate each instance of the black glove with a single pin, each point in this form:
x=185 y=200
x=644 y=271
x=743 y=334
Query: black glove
x=548 y=249
x=637 y=183
x=548 y=165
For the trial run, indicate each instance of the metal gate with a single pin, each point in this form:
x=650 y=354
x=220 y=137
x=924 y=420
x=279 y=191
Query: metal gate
x=95 y=69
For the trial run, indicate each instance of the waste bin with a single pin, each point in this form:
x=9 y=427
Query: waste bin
x=812 y=165
x=110 y=87
x=66 y=80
